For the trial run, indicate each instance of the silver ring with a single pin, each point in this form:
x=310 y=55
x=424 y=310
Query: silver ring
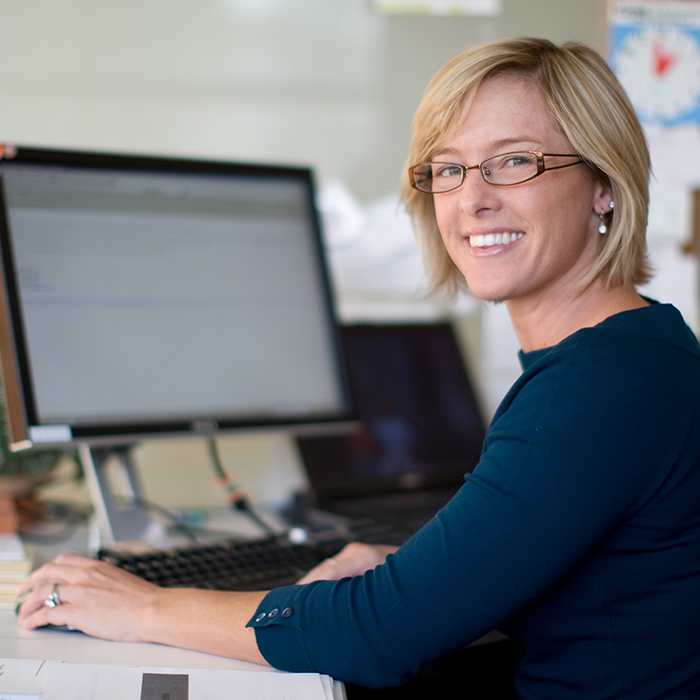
x=53 y=600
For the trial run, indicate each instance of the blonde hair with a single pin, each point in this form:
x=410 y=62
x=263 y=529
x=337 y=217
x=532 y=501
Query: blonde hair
x=592 y=110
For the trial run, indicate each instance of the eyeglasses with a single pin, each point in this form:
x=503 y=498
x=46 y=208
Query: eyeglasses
x=506 y=169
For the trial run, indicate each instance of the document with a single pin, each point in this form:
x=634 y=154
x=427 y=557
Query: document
x=24 y=679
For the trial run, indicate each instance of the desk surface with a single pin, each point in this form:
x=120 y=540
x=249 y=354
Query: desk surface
x=76 y=647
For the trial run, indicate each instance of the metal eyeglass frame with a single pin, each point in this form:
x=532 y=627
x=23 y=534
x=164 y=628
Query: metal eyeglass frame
x=541 y=168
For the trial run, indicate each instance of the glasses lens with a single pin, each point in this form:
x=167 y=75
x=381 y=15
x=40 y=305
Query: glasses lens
x=437 y=177
x=510 y=168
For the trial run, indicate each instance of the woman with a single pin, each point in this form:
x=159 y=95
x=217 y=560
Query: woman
x=579 y=531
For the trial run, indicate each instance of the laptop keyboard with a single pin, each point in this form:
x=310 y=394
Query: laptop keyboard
x=232 y=565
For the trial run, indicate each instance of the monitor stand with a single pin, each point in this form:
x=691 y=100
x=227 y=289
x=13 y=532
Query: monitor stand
x=118 y=520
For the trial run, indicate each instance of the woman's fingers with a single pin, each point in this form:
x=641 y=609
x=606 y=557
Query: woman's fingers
x=57 y=570
x=327 y=570
x=40 y=607
x=354 y=559
x=38 y=588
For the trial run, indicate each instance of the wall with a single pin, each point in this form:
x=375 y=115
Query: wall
x=327 y=83
x=331 y=84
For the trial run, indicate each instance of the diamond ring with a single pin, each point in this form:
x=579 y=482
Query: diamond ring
x=53 y=600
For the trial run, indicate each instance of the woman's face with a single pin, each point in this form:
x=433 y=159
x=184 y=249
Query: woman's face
x=551 y=221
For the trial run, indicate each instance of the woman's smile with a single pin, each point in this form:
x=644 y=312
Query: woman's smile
x=488 y=240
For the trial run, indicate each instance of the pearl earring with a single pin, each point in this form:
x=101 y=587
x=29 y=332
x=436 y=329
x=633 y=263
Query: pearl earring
x=603 y=229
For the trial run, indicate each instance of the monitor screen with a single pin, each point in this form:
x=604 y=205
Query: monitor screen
x=147 y=296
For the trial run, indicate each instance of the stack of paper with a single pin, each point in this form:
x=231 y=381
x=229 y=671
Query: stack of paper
x=15 y=566
x=54 y=680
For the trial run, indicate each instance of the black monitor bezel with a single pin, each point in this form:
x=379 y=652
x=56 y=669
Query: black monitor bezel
x=18 y=385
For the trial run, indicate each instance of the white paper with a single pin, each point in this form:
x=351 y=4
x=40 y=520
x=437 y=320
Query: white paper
x=23 y=678
x=115 y=682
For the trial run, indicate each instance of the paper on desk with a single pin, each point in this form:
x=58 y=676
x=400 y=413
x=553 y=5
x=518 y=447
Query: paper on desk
x=116 y=682
x=23 y=678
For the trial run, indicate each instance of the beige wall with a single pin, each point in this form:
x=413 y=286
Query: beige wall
x=327 y=83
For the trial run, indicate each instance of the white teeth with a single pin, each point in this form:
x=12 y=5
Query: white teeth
x=490 y=239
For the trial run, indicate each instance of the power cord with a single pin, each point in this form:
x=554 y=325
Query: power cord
x=234 y=493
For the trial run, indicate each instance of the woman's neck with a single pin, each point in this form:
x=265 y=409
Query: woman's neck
x=544 y=323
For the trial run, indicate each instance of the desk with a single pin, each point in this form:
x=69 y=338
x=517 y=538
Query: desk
x=75 y=647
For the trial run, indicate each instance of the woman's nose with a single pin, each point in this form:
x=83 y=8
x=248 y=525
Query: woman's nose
x=477 y=195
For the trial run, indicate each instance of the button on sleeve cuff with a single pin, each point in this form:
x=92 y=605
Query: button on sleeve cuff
x=278 y=629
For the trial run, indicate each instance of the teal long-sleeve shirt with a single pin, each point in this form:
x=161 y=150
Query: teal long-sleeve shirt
x=578 y=533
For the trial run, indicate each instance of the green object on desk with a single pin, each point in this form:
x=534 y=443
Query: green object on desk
x=30 y=464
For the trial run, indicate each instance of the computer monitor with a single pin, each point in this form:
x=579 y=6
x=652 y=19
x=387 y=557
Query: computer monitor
x=149 y=296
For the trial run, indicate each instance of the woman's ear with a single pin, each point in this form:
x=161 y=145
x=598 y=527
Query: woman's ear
x=602 y=201
x=602 y=206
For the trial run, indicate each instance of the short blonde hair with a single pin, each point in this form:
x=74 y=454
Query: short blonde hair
x=592 y=110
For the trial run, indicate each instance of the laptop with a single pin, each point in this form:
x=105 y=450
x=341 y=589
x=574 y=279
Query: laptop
x=421 y=427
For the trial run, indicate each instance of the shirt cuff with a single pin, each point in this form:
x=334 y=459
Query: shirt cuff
x=278 y=625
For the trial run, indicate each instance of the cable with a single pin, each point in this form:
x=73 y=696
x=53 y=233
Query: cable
x=178 y=522
x=234 y=493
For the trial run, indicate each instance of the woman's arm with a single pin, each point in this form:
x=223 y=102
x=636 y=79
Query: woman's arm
x=104 y=601
x=107 y=602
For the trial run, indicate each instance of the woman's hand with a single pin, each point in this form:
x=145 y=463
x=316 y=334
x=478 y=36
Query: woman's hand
x=95 y=597
x=354 y=559
x=104 y=601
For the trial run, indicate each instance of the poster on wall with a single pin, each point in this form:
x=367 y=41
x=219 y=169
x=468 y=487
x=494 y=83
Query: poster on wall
x=654 y=49
x=474 y=8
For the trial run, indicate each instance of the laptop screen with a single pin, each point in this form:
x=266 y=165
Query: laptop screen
x=421 y=425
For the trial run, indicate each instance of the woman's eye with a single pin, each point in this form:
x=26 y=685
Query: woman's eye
x=515 y=161
x=448 y=171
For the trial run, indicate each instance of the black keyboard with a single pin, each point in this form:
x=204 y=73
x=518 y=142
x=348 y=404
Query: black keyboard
x=232 y=565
